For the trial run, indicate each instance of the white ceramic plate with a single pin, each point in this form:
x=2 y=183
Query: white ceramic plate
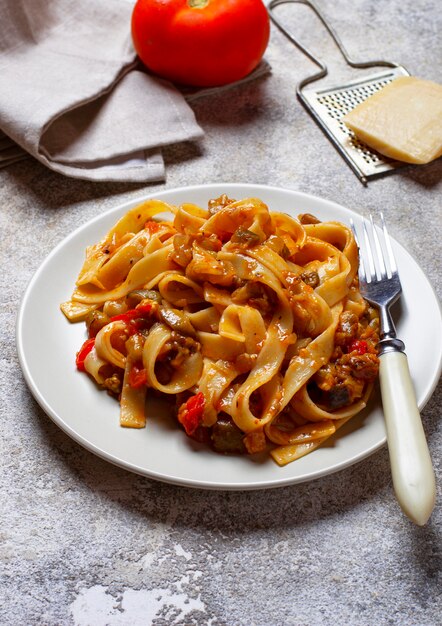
x=47 y=344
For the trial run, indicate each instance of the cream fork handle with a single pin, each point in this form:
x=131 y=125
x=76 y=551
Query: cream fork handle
x=411 y=467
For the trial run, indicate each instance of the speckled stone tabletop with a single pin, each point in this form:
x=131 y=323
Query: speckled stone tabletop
x=84 y=542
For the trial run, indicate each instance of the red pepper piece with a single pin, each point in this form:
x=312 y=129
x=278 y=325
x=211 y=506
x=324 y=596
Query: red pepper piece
x=190 y=413
x=152 y=227
x=143 y=309
x=140 y=311
x=83 y=352
x=137 y=377
x=124 y=317
x=358 y=345
x=134 y=318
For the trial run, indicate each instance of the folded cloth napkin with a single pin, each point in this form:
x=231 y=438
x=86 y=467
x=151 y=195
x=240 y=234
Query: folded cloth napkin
x=73 y=95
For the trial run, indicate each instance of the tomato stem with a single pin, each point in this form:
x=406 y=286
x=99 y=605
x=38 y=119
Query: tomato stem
x=197 y=4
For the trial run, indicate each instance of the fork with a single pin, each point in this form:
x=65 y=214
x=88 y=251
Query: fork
x=411 y=468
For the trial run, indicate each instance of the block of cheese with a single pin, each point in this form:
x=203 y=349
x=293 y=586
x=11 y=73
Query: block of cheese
x=402 y=121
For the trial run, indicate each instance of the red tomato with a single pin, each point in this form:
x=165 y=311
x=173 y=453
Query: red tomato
x=136 y=319
x=358 y=345
x=191 y=413
x=137 y=377
x=200 y=42
x=83 y=352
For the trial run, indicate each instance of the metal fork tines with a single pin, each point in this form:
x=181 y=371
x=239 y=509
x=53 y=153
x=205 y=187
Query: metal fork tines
x=411 y=466
x=379 y=278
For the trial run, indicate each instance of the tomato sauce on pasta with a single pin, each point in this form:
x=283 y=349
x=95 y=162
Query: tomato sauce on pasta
x=251 y=320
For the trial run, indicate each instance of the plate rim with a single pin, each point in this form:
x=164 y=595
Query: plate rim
x=120 y=208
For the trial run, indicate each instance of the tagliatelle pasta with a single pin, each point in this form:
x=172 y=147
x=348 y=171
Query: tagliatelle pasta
x=251 y=320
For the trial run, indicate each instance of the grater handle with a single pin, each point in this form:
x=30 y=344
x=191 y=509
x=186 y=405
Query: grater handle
x=323 y=68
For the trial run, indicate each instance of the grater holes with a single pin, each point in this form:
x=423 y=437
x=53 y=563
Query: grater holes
x=328 y=107
x=369 y=157
x=364 y=151
x=340 y=102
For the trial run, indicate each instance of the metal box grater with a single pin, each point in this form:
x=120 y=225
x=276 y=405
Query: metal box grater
x=328 y=105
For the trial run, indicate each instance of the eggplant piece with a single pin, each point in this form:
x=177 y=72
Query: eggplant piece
x=135 y=297
x=245 y=237
x=95 y=321
x=177 y=321
x=226 y=436
x=310 y=278
x=338 y=397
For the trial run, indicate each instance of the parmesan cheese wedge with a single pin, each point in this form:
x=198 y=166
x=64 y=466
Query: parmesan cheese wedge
x=402 y=121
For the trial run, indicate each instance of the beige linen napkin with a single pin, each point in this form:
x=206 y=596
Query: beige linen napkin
x=74 y=96
x=71 y=94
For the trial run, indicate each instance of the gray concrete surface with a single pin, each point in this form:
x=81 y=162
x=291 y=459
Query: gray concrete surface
x=87 y=543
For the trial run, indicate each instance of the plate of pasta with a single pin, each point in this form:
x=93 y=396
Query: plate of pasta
x=214 y=336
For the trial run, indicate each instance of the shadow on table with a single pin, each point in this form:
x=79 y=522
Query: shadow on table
x=55 y=191
x=427 y=176
x=243 y=106
x=239 y=512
